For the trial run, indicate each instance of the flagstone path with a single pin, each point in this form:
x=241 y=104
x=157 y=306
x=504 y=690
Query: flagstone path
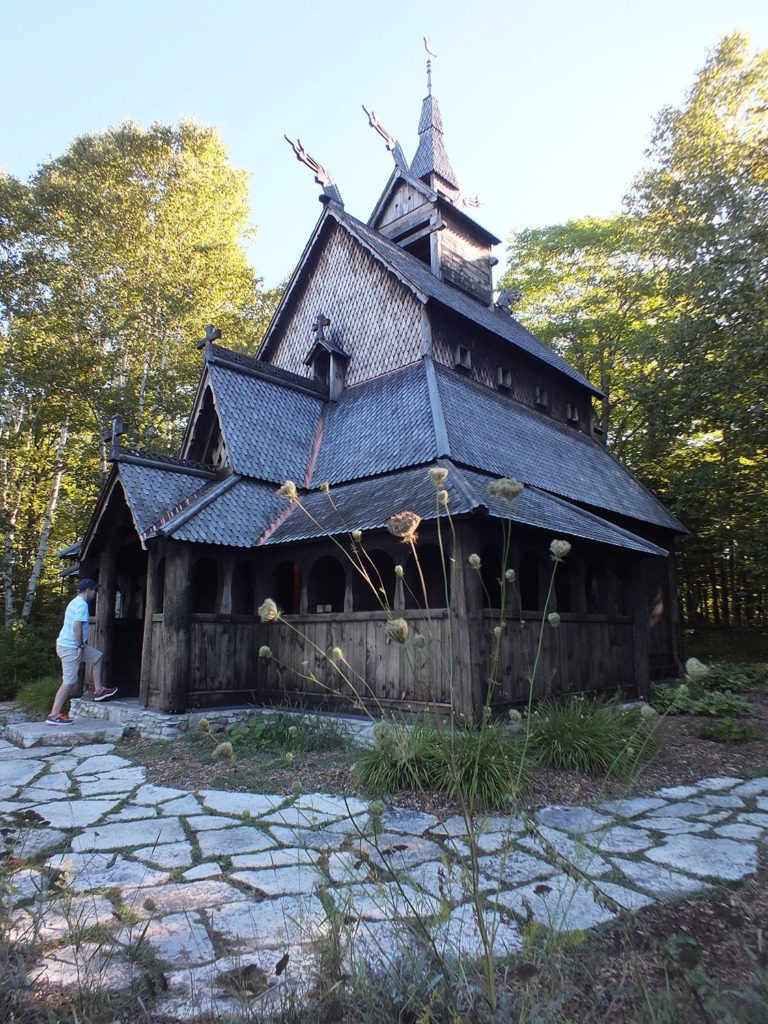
x=219 y=884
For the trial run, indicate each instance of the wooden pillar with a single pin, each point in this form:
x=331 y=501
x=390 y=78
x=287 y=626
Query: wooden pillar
x=150 y=604
x=226 y=576
x=105 y=610
x=468 y=665
x=674 y=611
x=176 y=628
x=640 y=639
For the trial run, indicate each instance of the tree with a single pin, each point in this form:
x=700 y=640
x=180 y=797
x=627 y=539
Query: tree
x=665 y=308
x=112 y=260
x=585 y=292
x=703 y=203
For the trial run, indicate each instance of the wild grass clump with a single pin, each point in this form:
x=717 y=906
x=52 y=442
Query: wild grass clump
x=484 y=766
x=480 y=765
x=403 y=757
x=295 y=733
x=36 y=697
x=592 y=736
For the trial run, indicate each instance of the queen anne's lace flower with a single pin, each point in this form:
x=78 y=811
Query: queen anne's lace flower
x=404 y=525
x=474 y=561
x=265 y=651
x=288 y=491
x=559 y=549
x=437 y=475
x=505 y=487
x=396 y=630
x=696 y=670
x=268 y=611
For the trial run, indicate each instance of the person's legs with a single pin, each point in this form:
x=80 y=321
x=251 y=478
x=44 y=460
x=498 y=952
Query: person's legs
x=69 y=670
x=94 y=657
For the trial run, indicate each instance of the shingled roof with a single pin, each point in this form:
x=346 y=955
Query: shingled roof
x=372 y=446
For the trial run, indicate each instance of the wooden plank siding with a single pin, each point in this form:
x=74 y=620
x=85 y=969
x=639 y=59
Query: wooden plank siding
x=585 y=653
x=374 y=317
x=376 y=675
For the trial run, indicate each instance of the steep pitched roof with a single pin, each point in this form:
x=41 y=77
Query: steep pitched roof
x=426 y=411
x=431 y=157
x=425 y=286
x=269 y=428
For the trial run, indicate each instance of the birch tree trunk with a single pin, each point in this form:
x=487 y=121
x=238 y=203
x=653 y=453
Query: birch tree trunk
x=45 y=533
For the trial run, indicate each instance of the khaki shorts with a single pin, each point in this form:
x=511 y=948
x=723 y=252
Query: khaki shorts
x=70 y=666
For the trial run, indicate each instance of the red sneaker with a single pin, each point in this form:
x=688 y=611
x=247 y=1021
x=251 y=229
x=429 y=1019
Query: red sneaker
x=105 y=693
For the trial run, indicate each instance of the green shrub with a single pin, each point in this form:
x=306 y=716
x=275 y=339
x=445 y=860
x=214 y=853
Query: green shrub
x=668 y=699
x=27 y=653
x=729 y=731
x=719 y=703
x=402 y=757
x=37 y=697
x=283 y=732
x=735 y=676
x=483 y=765
x=591 y=736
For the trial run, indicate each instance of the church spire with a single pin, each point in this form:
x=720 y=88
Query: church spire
x=431 y=158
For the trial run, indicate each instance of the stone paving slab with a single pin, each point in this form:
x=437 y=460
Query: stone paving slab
x=219 y=879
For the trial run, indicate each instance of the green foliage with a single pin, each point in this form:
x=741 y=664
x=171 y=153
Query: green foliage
x=111 y=260
x=729 y=731
x=402 y=758
x=283 y=732
x=736 y=676
x=669 y=699
x=37 y=697
x=719 y=703
x=663 y=308
x=480 y=764
x=591 y=736
x=483 y=765
x=25 y=654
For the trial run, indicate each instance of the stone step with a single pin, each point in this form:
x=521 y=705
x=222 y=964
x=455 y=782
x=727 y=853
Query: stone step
x=38 y=734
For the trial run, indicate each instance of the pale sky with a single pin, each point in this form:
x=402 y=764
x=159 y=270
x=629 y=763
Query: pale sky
x=547 y=106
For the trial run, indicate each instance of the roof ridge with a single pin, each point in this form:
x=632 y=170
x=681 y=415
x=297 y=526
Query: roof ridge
x=181 y=513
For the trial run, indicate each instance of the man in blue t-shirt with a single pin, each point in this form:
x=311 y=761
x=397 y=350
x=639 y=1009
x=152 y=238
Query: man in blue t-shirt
x=73 y=651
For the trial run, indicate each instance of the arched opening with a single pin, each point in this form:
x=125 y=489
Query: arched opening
x=436 y=579
x=285 y=587
x=378 y=591
x=243 y=589
x=492 y=572
x=621 y=592
x=594 y=586
x=563 y=588
x=530 y=591
x=204 y=585
x=326 y=585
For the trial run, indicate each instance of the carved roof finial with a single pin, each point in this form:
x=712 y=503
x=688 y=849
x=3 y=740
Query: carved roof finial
x=431 y=53
x=322 y=175
x=389 y=140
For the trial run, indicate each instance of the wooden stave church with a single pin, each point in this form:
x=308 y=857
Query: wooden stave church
x=386 y=356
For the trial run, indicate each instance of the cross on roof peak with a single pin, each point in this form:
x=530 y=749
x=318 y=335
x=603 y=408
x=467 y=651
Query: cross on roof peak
x=321 y=322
